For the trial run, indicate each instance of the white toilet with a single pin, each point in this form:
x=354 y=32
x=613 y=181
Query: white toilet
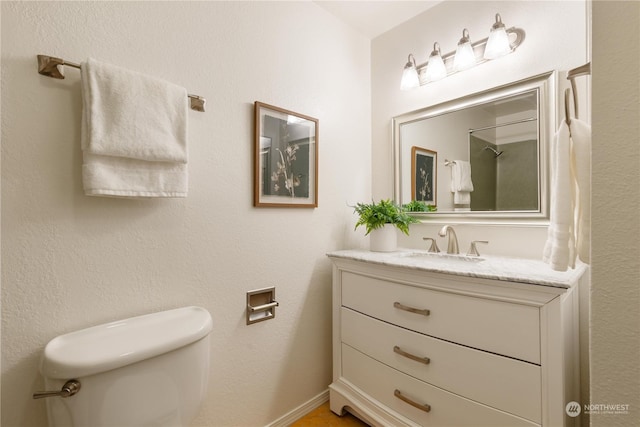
x=150 y=370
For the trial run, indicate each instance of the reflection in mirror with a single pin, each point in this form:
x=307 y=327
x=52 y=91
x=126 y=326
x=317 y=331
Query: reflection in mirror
x=481 y=156
x=504 y=158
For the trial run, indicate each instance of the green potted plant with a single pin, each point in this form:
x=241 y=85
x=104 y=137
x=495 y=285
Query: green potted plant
x=380 y=220
x=419 y=206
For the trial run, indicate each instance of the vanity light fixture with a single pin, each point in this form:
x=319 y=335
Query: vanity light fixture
x=436 y=69
x=501 y=41
x=498 y=43
x=465 y=58
x=410 y=77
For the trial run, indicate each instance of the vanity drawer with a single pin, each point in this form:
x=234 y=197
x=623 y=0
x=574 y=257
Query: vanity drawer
x=500 y=327
x=500 y=382
x=446 y=409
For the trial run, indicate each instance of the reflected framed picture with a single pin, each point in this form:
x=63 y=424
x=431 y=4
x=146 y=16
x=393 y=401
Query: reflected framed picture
x=285 y=158
x=423 y=175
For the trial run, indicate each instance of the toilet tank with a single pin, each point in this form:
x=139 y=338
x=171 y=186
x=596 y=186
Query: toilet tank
x=150 y=370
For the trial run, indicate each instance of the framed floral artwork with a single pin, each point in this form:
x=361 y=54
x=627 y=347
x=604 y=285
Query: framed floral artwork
x=285 y=158
x=423 y=175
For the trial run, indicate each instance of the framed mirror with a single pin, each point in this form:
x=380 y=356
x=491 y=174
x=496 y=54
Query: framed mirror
x=481 y=157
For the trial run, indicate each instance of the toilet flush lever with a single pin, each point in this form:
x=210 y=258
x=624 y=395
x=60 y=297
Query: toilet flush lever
x=69 y=388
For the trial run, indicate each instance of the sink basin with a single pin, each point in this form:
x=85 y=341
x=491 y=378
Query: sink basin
x=444 y=257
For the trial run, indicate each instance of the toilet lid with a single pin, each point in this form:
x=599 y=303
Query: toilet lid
x=112 y=345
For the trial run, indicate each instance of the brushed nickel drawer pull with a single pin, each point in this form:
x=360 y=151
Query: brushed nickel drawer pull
x=401 y=352
x=423 y=407
x=422 y=311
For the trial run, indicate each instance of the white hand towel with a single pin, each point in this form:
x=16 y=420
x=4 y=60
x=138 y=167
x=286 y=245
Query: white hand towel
x=559 y=250
x=461 y=176
x=581 y=162
x=462 y=198
x=461 y=184
x=134 y=133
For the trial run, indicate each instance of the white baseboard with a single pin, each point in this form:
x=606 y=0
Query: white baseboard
x=302 y=410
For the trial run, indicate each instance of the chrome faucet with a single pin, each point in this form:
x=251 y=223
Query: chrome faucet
x=434 y=246
x=452 y=246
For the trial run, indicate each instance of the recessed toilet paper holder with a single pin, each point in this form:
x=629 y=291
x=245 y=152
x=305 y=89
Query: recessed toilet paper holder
x=261 y=305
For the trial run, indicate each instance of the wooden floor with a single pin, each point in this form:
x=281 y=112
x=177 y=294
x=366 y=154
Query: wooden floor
x=323 y=416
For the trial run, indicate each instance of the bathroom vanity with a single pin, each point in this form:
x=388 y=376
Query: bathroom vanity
x=424 y=339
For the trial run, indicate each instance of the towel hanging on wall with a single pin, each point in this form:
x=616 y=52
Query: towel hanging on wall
x=559 y=249
x=134 y=133
x=569 y=233
x=581 y=171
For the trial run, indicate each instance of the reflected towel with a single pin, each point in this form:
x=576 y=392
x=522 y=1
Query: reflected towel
x=461 y=198
x=134 y=133
x=461 y=184
x=461 y=176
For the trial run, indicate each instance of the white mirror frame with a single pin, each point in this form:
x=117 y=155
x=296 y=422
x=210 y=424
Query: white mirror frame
x=545 y=84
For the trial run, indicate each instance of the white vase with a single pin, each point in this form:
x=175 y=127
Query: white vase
x=384 y=239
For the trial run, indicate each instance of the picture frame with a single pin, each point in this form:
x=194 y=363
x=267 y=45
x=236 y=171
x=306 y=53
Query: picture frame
x=285 y=158
x=424 y=164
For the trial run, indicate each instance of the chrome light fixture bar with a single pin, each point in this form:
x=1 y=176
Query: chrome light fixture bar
x=494 y=46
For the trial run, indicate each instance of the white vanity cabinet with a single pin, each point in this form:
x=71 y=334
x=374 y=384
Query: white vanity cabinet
x=415 y=345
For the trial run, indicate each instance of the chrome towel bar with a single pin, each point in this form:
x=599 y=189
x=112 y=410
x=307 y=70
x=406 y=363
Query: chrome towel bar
x=583 y=70
x=53 y=67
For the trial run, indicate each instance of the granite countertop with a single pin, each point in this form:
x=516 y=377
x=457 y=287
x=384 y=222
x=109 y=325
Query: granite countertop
x=519 y=270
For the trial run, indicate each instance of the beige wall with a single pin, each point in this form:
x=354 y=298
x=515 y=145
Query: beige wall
x=71 y=261
x=615 y=289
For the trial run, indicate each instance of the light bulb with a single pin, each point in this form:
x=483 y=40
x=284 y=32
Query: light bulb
x=465 y=58
x=498 y=43
x=410 y=78
x=436 y=69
